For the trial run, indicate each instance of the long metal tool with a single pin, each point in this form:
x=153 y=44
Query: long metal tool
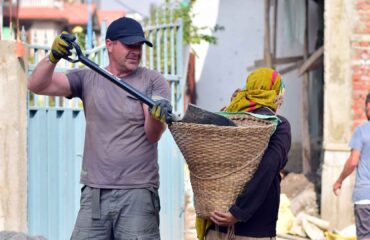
x=193 y=114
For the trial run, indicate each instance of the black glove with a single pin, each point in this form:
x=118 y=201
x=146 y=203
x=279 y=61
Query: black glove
x=161 y=109
x=60 y=47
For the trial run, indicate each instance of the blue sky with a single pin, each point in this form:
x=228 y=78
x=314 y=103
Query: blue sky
x=141 y=6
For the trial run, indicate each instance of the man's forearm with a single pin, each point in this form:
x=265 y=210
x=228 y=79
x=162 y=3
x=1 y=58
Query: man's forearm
x=153 y=128
x=347 y=170
x=350 y=165
x=41 y=76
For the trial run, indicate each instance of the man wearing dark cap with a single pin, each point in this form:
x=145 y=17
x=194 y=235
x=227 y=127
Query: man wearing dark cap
x=119 y=199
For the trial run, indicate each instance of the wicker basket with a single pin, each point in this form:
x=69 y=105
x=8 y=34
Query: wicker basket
x=221 y=159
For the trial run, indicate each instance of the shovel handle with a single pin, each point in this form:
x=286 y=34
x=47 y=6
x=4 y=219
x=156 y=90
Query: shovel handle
x=133 y=91
x=82 y=58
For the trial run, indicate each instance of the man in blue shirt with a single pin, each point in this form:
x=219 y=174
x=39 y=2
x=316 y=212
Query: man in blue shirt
x=360 y=159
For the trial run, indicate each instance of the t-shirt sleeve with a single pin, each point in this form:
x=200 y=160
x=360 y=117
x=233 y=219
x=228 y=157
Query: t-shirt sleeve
x=356 y=140
x=76 y=83
x=160 y=87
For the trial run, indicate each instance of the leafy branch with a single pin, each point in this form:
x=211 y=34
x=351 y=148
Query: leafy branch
x=180 y=9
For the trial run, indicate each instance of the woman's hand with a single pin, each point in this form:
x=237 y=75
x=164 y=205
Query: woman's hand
x=223 y=219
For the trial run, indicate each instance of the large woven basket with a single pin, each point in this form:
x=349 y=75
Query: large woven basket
x=221 y=159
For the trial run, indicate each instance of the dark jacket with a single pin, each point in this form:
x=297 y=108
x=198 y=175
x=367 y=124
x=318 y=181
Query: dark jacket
x=257 y=206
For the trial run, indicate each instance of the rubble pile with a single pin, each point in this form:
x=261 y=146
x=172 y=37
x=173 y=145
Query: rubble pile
x=298 y=213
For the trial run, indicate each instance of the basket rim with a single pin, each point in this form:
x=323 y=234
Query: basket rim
x=242 y=115
x=223 y=127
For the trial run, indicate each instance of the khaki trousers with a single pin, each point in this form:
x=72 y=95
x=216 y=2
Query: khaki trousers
x=213 y=235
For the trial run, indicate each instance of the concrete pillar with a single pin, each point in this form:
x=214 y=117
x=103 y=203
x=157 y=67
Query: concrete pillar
x=338 y=115
x=338 y=210
x=13 y=139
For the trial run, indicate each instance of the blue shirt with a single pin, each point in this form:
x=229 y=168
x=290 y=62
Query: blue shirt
x=361 y=141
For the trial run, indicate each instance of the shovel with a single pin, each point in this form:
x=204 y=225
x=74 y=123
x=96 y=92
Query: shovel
x=193 y=113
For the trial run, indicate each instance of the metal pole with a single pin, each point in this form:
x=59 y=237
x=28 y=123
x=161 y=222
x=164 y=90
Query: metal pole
x=89 y=25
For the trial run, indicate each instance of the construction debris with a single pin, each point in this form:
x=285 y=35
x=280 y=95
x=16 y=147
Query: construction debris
x=301 y=193
x=298 y=217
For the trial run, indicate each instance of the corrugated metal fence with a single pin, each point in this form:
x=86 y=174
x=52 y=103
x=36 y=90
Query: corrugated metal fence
x=56 y=135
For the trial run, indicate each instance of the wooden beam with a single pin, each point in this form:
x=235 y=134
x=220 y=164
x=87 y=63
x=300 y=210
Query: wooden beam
x=306 y=145
x=312 y=61
x=279 y=61
x=307 y=65
x=267 y=48
x=290 y=68
x=274 y=42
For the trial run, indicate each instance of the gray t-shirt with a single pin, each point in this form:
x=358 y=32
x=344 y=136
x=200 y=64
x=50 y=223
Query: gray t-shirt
x=361 y=142
x=117 y=153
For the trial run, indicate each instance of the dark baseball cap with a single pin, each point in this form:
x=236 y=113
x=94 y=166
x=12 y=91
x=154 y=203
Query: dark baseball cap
x=128 y=31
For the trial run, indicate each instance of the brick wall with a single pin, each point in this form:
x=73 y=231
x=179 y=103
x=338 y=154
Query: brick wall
x=360 y=51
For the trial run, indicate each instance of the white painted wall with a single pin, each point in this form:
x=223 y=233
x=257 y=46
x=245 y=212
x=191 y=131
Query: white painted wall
x=43 y=33
x=41 y=3
x=222 y=68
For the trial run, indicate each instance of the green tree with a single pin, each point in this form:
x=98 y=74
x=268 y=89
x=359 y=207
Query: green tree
x=174 y=9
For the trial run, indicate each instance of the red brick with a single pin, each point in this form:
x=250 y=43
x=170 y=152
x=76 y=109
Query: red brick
x=359 y=94
x=357 y=113
x=357 y=54
x=357 y=122
x=360 y=51
x=359 y=86
x=363 y=6
x=356 y=69
x=359 y=29
x=356 y=57
x=355 y=77
x=363 y=17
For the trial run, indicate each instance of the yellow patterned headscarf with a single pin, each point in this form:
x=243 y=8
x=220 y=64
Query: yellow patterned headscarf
x=264 y=88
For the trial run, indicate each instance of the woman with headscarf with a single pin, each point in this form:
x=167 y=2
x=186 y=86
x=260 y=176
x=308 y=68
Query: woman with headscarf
x=254 y=214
